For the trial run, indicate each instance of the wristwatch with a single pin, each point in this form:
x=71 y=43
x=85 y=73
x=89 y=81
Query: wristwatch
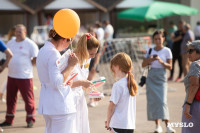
x=188 y=103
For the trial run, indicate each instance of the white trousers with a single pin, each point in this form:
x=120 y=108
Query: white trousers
x=60 y=123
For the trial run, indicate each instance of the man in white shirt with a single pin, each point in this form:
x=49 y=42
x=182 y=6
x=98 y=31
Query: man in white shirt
x=108 y=31
x=20 y=76
x=197 y=31
x=99 y=32
x=108 y=36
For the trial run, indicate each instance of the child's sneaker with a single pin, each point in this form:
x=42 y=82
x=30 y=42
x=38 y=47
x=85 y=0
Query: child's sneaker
x=95 y=94
x=2 y=99
x=1 y=129
x=92 y=104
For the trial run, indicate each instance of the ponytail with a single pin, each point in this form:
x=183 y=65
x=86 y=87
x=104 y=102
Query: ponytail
x=132 y=85
x=81 y=49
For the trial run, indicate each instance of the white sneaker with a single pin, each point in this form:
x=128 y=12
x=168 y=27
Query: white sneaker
x=3 y=100
x=158 y=129
x=170 y=130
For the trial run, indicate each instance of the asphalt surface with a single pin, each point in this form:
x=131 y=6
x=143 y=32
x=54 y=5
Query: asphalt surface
x=97 y=115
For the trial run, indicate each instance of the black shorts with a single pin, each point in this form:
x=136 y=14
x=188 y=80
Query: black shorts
x=123 y=130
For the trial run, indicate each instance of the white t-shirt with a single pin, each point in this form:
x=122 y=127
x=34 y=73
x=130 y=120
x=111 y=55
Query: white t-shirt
x=197 y=31
x=125 y=106
x=100 y=34
x=109 y=30
x=20 y=65
x=165 y=53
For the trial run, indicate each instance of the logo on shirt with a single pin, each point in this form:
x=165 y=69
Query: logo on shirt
x=20 y=47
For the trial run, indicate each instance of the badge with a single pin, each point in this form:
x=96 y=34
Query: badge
x=87 y=65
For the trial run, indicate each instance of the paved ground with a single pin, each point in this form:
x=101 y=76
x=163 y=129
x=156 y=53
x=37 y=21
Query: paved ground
x=97 y=115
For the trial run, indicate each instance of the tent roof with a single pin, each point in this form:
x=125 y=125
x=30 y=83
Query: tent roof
x=105 y=5
x=8 y=5
x=133 y=3
x=33 y=6
x=74 y=4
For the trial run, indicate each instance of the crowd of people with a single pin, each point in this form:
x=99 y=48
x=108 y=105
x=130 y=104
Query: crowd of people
x=64 y=106
x=178 y=40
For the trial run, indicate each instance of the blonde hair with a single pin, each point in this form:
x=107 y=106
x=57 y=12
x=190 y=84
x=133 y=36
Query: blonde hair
x=125 y=65
x=85 y=43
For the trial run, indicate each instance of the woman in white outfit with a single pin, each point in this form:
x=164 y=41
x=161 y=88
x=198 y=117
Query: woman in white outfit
x=57 y=102
x=86 y=49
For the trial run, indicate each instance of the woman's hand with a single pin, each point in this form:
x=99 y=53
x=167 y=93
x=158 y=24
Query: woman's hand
x=73 y=60
x=86 y=83
x=187 y=112
x=159 y=59
x=152 y=58
x=70 y=83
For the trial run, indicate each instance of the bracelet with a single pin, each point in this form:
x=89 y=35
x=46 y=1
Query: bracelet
x=188 y=103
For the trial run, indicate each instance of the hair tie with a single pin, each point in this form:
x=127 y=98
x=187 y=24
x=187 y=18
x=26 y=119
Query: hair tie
x=54 y=33
x=88 y=36
x=129 y=72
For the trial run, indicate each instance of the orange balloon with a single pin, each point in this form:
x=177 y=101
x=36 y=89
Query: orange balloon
x=66 y=23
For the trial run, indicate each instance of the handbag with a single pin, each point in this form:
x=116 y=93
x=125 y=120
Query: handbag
x=197 y=96
x=143 y=77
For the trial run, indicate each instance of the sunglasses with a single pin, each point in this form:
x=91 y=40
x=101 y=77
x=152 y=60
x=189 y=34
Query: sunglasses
x=190 y=51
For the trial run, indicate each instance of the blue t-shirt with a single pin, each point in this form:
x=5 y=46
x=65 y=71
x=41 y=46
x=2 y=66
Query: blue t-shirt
x=2 y=46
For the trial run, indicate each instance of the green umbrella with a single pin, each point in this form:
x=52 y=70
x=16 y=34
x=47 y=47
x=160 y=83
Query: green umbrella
x=156 y=10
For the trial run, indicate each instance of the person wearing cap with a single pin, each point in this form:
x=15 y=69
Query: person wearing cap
x=191 y=107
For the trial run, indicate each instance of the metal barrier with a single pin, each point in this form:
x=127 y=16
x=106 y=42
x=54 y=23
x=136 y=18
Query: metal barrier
x=134 y=47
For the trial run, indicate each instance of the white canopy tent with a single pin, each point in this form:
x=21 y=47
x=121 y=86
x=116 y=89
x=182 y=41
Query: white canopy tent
x=74 y=4
x=82 y=4
x=133 y=3
x=8 y=5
